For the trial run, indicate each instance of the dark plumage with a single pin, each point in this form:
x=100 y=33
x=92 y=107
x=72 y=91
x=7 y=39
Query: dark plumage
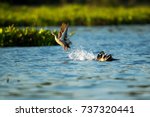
x=102 y=56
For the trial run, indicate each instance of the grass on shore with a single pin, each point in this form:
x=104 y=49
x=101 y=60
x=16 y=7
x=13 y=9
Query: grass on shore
x=72 y=14
x=12 y=36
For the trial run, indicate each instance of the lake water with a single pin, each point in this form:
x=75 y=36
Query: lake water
x=50 y=73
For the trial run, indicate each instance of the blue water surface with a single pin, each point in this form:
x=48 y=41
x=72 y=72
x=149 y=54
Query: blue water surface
x=49 y=72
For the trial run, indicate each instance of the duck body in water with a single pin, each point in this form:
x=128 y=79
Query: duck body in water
x=102 y=56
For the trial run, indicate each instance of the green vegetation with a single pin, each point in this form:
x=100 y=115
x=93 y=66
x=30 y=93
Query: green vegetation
x=54 y=15
x=12 y=36
x=72 y=14
x=90 y=2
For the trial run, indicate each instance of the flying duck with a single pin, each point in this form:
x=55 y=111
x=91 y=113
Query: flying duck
x=62 y=38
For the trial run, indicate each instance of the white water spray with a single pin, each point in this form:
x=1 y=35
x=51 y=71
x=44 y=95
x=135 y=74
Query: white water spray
x=81 y=54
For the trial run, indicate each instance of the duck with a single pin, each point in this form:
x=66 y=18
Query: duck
x=62 y=37
x=102 y=56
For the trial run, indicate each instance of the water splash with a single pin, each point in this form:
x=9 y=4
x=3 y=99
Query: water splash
x=81 y=54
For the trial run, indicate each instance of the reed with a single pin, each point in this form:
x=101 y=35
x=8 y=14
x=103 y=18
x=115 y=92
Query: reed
x=13 y=36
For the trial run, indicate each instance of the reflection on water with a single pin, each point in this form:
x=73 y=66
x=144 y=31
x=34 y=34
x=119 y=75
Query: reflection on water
x=51 y=73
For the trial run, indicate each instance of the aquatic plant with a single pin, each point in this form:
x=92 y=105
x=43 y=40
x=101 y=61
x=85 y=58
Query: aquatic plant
x=13 y=36
x=72 y=14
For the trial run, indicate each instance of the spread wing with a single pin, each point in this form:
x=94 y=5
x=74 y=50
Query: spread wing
x=63 y=33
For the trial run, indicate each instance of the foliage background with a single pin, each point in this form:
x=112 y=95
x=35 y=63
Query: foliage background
x=94 y=2
x=15 y=15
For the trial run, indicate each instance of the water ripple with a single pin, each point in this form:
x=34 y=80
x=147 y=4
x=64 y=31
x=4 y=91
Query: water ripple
x=51 y=73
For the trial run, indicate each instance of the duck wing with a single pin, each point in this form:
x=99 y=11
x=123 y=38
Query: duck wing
x=62 y=28
x=63 y=34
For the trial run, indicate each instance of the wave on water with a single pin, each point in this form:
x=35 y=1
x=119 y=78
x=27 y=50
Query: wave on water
x=81 y=54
